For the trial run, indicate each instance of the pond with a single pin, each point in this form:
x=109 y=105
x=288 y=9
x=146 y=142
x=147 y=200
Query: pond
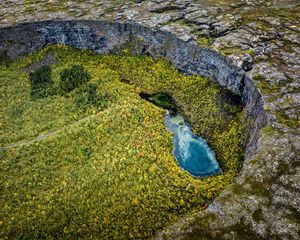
x=191 y=151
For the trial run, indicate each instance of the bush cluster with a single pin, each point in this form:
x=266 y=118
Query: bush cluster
x=41 y=83
x=73 y=78
x=90 y=98
x=76 y=77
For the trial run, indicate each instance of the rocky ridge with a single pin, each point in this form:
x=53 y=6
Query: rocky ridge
x=262 y=39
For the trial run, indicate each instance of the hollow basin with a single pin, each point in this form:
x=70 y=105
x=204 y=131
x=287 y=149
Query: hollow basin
x=113 y=37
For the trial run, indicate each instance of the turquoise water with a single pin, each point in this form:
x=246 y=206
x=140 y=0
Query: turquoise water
x=191 y=151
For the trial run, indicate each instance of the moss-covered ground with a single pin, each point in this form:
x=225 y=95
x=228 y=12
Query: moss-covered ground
x=106 y=171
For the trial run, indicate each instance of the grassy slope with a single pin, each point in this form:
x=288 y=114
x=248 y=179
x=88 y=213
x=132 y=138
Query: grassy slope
x=111 y=175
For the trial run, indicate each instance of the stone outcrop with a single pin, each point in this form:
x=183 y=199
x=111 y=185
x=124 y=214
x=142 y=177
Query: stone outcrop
x=250 y=47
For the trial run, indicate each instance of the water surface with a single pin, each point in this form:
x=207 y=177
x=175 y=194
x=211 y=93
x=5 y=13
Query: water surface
x=191 y=151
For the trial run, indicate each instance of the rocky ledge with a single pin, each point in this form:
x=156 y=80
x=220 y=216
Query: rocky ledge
x=251 y=47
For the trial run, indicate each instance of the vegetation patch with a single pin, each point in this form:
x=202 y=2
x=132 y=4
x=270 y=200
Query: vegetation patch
x=4 y=59
x=160 y=99
x=103 y=168
x=283 y=118
x=205 y=42
x=89 y=97
x=73 y=78
x=41 y=83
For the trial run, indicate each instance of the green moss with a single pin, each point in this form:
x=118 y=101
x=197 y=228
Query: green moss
x=266 y=87
x=237 y=189
x=259 y=188
x=284 y=119
x=205 y=42
x=259 y=77
x=203 y=222
x=262 y=26
x=251 y=52
x=231 y=50
x=268 y=130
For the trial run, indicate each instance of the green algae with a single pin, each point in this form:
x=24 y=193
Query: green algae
x=162 y=100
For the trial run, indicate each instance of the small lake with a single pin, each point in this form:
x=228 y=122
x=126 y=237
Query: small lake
x=191 y=151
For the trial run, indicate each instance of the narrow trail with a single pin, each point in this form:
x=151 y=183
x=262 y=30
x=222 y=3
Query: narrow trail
x=48 y=134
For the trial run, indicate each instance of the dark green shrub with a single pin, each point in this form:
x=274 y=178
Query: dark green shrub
x=90 y=98
x=41 y=83
x=4 y=59
x=73 y=78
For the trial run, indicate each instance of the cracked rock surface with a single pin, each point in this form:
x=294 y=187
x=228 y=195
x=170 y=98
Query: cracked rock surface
x=262 y=38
